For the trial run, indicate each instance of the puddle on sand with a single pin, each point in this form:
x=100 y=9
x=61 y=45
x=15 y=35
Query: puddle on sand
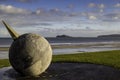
x=8 y=73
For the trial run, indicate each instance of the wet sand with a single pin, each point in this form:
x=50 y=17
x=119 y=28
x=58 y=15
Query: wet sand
x=74 y=48
x=4 y=48
x=67 y=71
x=78 y=45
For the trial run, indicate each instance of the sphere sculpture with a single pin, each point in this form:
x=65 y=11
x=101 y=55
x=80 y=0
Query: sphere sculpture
x=29 y=54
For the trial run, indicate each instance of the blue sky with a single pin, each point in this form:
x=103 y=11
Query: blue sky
x=78 y=18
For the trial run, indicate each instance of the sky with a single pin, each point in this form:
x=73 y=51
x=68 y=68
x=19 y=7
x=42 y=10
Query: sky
x=49 y=18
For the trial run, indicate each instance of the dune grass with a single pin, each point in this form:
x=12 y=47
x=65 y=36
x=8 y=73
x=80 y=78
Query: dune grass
x=109 y=58
x=4 y=63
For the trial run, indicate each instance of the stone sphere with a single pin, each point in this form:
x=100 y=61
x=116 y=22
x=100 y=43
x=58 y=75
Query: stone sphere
x=30 y=54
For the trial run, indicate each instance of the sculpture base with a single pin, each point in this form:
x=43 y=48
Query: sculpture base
x=66 y=71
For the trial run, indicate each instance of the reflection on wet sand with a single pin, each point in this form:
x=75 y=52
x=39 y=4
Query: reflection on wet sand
x=74 y=48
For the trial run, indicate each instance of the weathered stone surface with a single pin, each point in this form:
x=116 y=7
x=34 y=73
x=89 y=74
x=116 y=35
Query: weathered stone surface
x=30 y=54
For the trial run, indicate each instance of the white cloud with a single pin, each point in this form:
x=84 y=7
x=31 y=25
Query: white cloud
x=71 y=6
x=112 y=17
x=45 y=21
x=4 y=32
x=101 y=10
x=26 y=1
x=116 y=17
x=117 y=5
x=92 y=17
x=9 y=9
x=101 y=6
x=98 y=8
x=91 y=5
x=23 y=0
x=38 y=12
x=54 y=10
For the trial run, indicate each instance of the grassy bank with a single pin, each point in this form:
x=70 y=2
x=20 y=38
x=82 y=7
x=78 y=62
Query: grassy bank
x=4 y=63
x=109 y=58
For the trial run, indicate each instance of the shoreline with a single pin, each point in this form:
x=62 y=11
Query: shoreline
x=77 y=48
x=78 y=45
x=73 y=48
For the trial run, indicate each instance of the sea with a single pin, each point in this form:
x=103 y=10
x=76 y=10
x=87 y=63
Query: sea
x=88 y=44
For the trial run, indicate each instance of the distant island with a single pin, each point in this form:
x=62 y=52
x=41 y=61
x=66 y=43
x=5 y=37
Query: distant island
x=67 y=36
x=63 y=36
x=100 y=36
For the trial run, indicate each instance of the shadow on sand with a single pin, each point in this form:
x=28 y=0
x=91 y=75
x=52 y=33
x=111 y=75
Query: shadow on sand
x=67 y=71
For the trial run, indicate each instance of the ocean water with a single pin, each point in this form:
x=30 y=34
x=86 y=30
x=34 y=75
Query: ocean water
x=61 y=41
x=87 y=45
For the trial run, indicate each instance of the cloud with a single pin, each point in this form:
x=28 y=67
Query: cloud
x=117 y=5
x=4 y=33
x=54 y=12
x=97 y=7
x=45 y=14
x=40 y=11
x=49 y=12
x=101 y=6
x=112 y=16
x=91 y=5
x=56 y=20
x=22 y=1
x=9 y=9
x=116 y=18
x=92 y=15
x=71 y=6
x=21 y=18
x=101 y=10
x=45 y=24
x=3 y=0
x=73 y=14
